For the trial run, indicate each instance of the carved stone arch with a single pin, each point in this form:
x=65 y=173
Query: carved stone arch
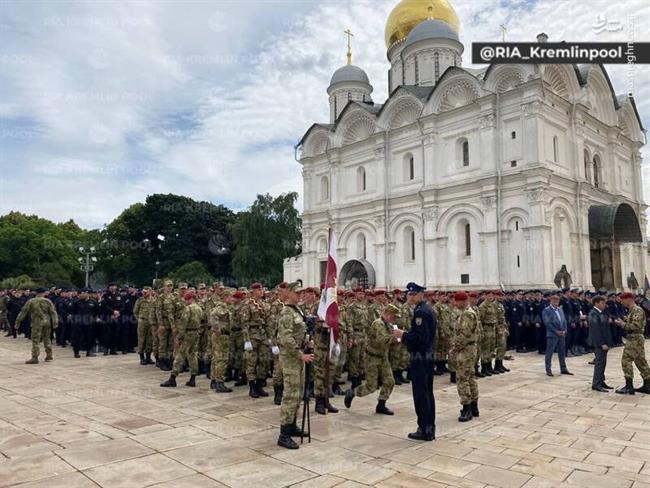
x=316 y=143
x=404 y=219
x=559 y=205
x=456 y=88
x=628 y=122
x=316 y=238
x=512 y=213
x=457 y=210
x=355 y=125
x=505 y=77
x=405 y=112
x=562 y=80
x=599 y=94
x=353 y=227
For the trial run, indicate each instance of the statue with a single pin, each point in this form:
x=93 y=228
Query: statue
x=563 y=278
x=632 y=282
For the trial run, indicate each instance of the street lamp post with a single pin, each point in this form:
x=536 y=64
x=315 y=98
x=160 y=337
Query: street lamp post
x=87 y=263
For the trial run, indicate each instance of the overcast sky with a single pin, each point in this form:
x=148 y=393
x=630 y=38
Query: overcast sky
x=103 y=103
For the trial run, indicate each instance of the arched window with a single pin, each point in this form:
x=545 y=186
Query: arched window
x=587 y=164
x=409 y=244
x=361 y=179
x=462 y=148
x=349 y=96
x=409 y=167
x=324 y=188
x=464 y=239
x=322 y=245
x=361 y=245
x=556 y=149
x=417 y=71
x=468 y=240
x=436 y=65
x=596 y=171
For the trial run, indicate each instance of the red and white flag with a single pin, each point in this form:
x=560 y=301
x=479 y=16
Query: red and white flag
x=328 y=309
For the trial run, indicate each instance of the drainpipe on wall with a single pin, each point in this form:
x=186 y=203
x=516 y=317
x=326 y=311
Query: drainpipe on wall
x=386 y=260
x=498 y=154
x=579 y=183
x=421 y=194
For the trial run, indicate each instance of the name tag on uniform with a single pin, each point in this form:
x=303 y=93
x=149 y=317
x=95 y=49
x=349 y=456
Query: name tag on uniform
x=418 y=320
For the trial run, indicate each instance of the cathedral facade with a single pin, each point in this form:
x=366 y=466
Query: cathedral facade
x=472 y=178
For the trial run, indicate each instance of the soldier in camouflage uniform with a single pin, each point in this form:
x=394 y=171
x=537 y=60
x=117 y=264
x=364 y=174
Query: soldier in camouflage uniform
x=463 y=348
x=206 y=303
x=165 y=306
x=502 y=333
x=443 y=334
x=633 y=352
x=358 y=317
x=345 y=339
x=4 y=301
x=291 y=339
x=473 y=304
x=153 y=321
x=398 y=355
x=253 y=316
x=275 y=307
x=489 y=317
x=220 y=321
x=187 y=341
x=44 y=320
x=237 y=341
x=142 y=312
x=378 y=370
x=179 y=307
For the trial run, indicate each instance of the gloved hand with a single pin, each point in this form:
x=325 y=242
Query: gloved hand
x=275 y=350
x=248 y=346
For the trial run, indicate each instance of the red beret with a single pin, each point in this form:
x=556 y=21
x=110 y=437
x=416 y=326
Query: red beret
x=397 y=290
x=310 y=290
x=189 y=295
x=349 y=294
x=239 y=295
x=284 y=284
x=322 y=286
x=358 y=290
x=473 y=294
x=256 y=286
x=627 y=295
x=498 y=293
x=459 y=296
x=380 y=293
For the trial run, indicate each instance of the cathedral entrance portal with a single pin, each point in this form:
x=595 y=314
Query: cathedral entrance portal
x=609 y=226
x=357 y=273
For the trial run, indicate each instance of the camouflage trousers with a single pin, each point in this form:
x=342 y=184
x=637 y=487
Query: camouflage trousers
x=205 y=349
x=165 y=346
x=464 y=361
x=294 y=383
x=377 y=370
x=4 y=322
x=41 y=333
x=257 y=360
x=237 y=349
x=145 y=339
x=442 y=346
x=501 y=340
x=340 y=363
x=154 y=339
x=220 y=352
x=634 y=353
x=488 y=342
x=187 y=349
x=277 y=370
x=356 y=355
x=398 y=356
x=320 y=371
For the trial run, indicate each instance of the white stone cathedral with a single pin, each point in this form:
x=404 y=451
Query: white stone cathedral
x=472 y=178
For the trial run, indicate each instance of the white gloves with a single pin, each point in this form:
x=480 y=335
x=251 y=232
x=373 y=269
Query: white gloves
x=336 y=351
x=248 y=346
x=275 y=350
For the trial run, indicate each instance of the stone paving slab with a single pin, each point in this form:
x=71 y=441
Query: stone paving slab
x=104 y=421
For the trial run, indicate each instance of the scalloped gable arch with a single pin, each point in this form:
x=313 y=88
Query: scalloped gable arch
x=600 y=96
x=503 y=77
x=354 y=124
x=401 y=109
x=316 y=142
x=626 y=119
x=563 y=80
x=455 y=88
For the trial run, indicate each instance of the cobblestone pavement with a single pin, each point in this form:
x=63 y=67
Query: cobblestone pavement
x=104 y=421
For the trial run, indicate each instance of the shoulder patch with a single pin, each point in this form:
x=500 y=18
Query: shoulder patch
x=418 y=320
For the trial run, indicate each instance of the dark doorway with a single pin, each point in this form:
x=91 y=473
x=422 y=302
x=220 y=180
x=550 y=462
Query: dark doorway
x=357 y=273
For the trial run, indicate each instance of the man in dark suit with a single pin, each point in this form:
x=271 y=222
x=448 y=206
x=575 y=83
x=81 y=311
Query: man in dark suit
x=556 y=331
x=600 y=336
x=419 y=343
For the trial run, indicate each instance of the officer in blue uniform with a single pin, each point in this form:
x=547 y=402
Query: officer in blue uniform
x=419 y=344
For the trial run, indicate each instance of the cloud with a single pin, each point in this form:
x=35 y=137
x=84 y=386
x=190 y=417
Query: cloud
x=104 y=103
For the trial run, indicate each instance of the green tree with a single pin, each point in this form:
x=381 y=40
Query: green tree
x=192 y=273
x=264 y=235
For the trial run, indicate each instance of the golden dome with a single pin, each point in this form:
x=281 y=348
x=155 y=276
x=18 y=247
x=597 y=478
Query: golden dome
x=409 y=13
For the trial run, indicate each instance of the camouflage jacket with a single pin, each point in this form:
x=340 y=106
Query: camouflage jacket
x=379 y=338
x=41 y=312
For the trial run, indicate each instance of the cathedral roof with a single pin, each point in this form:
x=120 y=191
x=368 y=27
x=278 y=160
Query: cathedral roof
x=431 y=29
x=349 y=72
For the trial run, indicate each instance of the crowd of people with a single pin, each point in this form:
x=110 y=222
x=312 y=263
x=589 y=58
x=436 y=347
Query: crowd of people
x=256 y=336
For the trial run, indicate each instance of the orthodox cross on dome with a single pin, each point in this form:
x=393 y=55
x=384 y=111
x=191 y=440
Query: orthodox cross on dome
x=349 y=34
x=504 y=29
x=430 y=10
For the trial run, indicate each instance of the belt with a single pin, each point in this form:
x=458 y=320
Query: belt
x=191 y=330
x=381 y=356
x=471 y=343
x=224 y=332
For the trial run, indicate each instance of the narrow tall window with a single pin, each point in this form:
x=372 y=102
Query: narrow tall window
x=468 y=240
x=596 y=171
x=409 y=167
x=465 y=153
x=324 y=189
x=361 y=245
x=417 y=71
x=513 y=135
x=436 y=65
x=361 y=179
x=349 y=96
x=518 y=262
x=587 y=164
x=409 y=244
x=556 y=149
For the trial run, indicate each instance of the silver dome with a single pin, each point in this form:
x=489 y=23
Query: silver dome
x=431 y=29
x=349 y=72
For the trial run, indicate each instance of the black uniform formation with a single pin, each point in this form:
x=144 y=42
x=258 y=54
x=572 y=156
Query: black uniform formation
x=90 y=321
x=527 y=332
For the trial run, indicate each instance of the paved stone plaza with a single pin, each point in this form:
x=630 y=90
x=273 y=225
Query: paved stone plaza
x=104 y=421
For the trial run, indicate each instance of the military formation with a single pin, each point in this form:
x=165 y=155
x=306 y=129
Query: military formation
x=256 y=336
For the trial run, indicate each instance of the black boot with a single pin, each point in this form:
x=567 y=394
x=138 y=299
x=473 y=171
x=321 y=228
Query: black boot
x=201 y=366
x=252 y=389
x=320 y=405
x=76 y=354
x=147 y=359
x=295 y=431
x=452 y=377
x=228 y=377
x=278 y=390
x=165 y=364
x=220 y=387
x=443 y=367
x=208 y=369
x=285 y=439
x=143 y=361
x=404 y=378
x=645 y=388
x=628 y=389
x=485 y=370
x=382 y=408
x=337 y=389
x=213 y=383
x=330 y=408
x=171 y=382
x=396 y=377
x=491 y=369
x=474 y=408
x=477 y=372
x=465 y=413
x=192 y=381
x=90 y=354
x=260 y=390
x=349 y=396
x=241 y=379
